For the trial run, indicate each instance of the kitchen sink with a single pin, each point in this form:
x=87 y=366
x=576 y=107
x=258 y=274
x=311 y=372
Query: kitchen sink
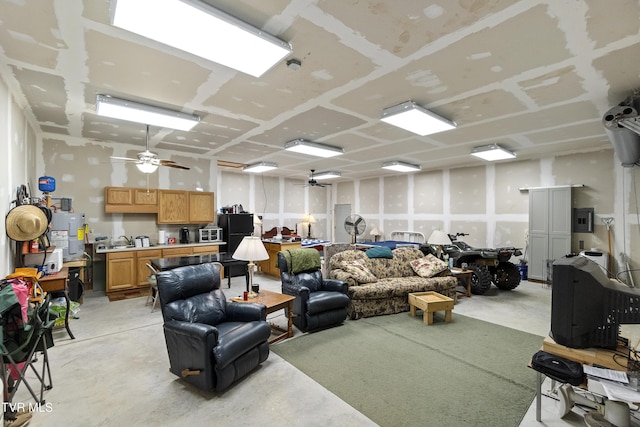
x=125 y=246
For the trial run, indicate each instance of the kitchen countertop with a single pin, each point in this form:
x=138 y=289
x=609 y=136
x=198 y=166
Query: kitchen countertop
x=177 y=245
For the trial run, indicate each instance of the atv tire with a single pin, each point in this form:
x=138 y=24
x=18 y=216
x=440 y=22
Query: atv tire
x=507 y=276
x=480 y=279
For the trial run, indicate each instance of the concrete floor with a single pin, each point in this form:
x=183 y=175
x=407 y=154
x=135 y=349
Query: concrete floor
x=116 y=371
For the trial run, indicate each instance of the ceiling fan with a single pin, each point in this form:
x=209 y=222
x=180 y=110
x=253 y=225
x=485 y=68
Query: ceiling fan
x=148 y=162
x=312 y=182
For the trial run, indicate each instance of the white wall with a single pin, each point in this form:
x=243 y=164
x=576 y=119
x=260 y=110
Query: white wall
x=19 y=154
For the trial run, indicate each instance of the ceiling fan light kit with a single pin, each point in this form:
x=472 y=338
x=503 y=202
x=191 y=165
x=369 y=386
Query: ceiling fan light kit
x=123 y=109
x=148 y=162
x=147 y=167
x=492 y=152
x=412 y=117
x=260 y=167
x=399 y=166
x=313 y=148
x=198 y=28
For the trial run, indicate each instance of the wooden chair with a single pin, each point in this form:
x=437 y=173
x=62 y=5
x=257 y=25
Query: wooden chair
x=153 y=288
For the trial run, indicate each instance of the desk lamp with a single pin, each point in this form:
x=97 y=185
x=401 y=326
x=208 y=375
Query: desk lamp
x=251 y=249
x=439 y=238
x=309 y=219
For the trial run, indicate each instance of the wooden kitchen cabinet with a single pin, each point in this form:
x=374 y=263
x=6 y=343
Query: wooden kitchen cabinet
x=269 y=266
x=130 y=200
x=121 y=271
x=202 y=208
x=142 y=259
x=176 y=252
x=173 y=207
x=203 y=250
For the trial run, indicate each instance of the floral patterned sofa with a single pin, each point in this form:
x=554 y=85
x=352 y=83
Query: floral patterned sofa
x=380 y=286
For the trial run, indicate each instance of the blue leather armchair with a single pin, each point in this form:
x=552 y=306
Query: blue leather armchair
x=211 y=342
x=319 y=303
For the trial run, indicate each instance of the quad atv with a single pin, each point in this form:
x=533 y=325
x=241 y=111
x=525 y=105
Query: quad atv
x=487 y=265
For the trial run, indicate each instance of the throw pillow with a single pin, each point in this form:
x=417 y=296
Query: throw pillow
x=358 y=271
x=379 y=252
x=428 y=266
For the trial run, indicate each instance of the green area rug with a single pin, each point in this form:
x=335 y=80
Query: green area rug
x=400 y=372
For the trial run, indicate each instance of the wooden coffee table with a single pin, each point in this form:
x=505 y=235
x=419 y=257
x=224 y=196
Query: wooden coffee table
x=275 y=301
x=430 y=302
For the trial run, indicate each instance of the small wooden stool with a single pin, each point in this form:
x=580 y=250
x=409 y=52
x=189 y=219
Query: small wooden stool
x=430 y=302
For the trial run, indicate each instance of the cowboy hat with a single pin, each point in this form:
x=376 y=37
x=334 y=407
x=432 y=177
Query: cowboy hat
x=26 y=222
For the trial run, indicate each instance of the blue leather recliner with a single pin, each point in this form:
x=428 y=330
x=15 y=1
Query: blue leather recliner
x=211 y=342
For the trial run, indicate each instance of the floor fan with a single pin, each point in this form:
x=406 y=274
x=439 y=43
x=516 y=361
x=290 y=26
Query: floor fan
x=355 y=226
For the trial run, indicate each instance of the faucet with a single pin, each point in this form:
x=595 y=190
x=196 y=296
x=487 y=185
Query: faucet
x=128 y=239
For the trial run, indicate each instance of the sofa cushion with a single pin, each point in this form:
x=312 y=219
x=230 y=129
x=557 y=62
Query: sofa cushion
x=428 y=266
x=351 y=254
x=358 y=270
x=379 y=252
x=401 y=287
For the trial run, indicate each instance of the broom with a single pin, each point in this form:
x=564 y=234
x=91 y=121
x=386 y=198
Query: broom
x=608 y=221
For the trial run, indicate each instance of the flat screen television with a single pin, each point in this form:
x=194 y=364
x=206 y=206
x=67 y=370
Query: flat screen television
x=587 y=308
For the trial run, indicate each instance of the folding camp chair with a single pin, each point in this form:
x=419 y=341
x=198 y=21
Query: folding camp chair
x=20 y=343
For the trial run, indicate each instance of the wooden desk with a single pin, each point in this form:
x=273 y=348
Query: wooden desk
x=57 y=284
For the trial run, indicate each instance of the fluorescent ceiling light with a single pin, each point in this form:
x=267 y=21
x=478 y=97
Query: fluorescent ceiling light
x=260 y=167
x=416 y=119
x=400 y=166
x=313 y=148
x=198 y=28
x=142 y=113
x=492 y=153
x=326 y=175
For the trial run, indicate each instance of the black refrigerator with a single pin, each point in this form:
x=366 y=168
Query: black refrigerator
x=234 y=228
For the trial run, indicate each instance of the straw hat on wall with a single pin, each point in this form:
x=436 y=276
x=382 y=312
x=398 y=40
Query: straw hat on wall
x=26 y=222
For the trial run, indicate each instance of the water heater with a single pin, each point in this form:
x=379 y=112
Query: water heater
x=67 y=233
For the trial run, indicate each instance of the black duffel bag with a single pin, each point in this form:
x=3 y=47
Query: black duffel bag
x=558 y=368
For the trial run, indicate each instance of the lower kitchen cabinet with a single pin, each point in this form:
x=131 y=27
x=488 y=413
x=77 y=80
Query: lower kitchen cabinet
x=204 y=250
x=127 y=271
x=176 y=252
x=144 y=258
x=121 y=271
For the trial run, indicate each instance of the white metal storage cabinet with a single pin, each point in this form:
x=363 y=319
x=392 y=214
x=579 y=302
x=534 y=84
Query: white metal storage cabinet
x=549 y=228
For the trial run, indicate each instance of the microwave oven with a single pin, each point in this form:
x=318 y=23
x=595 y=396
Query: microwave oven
x=209 y=235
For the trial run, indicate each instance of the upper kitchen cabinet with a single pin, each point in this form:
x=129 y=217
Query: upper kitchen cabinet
x=185 y=207
x=202 y=208
x=130 y=200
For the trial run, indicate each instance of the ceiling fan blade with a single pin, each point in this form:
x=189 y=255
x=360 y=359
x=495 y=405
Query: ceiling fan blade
x=124 y=158
x=174 y=165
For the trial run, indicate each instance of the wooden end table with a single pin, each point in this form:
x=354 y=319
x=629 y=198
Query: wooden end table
x=275 y=301
x=430 y=302
x=465 y=275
